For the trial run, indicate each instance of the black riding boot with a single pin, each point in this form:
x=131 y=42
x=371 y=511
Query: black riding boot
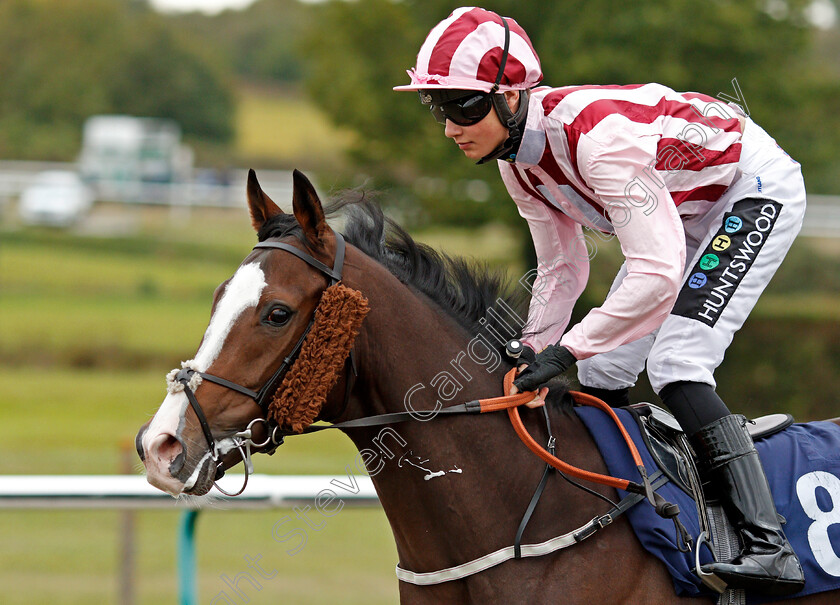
x=728 y=458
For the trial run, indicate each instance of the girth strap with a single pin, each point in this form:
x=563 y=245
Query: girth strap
x=532 y=505
x=571 y=538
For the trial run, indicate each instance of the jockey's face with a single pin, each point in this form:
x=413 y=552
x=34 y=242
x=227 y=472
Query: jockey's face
x=482 y=138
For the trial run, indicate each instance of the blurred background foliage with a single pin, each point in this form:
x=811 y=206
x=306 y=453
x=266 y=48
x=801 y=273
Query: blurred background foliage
x=63 y=60
x=285 y=84
x=785 y=67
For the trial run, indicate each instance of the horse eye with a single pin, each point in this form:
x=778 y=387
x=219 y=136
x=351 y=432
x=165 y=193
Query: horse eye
x=279 y=316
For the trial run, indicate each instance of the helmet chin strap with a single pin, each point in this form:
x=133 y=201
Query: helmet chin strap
x=515 y=124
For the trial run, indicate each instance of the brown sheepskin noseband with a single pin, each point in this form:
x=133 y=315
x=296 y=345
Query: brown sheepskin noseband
x=304 y=389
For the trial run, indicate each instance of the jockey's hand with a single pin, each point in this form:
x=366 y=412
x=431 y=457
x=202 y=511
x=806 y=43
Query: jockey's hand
x=550 y=362
x=539 y=398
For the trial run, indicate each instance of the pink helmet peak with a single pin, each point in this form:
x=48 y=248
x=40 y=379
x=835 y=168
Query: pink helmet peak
x=464 y=51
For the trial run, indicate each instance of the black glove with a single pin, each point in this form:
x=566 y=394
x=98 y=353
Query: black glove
x=550 y=362
x=519 y=351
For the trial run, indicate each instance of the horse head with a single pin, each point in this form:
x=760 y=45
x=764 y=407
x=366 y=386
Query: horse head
x=217 y=407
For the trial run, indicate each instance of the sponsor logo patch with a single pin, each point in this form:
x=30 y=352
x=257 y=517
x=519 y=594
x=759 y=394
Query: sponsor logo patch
x=721 y=243
x=709 y=262
x=726 y=260
x=732 y=224
x=698 y=280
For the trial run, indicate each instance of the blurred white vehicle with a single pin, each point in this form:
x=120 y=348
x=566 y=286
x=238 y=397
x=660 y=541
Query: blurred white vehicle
x=55 y=197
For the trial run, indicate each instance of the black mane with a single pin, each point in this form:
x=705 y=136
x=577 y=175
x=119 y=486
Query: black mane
x=465 y=290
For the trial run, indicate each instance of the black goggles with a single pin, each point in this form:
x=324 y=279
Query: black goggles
x=464 y=111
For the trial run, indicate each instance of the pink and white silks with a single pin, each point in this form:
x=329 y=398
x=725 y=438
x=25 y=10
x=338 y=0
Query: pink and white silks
x=660 y=170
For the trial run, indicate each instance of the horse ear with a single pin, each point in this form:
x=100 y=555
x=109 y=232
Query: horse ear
x=308 y=210
x=261 y=206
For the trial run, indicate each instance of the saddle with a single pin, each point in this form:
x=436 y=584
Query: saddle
x=669 y=446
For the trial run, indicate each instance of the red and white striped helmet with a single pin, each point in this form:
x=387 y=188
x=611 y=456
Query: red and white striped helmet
x=464 y=51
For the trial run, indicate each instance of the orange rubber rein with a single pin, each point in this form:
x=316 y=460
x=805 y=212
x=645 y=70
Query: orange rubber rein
x=511 y=403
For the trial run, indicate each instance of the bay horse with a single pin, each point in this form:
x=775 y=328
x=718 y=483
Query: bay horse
x=454 y=488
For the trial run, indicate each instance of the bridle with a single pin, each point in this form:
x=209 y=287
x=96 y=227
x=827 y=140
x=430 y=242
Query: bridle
x=243 y=440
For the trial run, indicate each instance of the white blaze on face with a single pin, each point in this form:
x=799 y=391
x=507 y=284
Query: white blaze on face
x=243 y=292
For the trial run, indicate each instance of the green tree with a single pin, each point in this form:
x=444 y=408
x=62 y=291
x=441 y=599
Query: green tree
x=358 y=51
x=703 y=46
x=159 y=73
x=64 y=60
x=259 y=43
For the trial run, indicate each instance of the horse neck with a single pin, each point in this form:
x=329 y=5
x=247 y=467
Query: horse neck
x=454 y=488
x=414 y=356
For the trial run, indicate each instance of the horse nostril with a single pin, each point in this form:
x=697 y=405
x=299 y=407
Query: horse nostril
x=167 y=449
x=138 y=444
x=172 y=449
x=177 y=464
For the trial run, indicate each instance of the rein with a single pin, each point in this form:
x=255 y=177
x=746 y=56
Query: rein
x=188 y=379
x=511 y=403
x=637 y=492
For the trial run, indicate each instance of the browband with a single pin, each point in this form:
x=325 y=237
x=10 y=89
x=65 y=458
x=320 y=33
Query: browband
x=334 y=274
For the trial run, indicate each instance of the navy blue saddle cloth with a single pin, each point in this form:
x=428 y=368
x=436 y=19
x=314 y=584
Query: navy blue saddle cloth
x=803 y=467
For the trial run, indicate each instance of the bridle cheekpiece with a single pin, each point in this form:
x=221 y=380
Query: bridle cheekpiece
x=188 y=378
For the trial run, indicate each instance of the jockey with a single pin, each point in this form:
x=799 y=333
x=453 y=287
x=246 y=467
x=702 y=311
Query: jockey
x=704 y=204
